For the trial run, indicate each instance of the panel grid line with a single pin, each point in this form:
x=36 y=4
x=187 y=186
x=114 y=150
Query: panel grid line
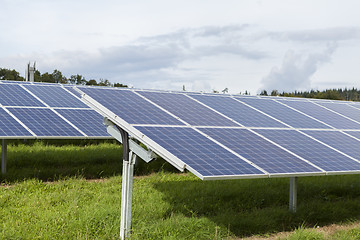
x=284 y=104
x=224 y=146
x=346 y=155
x=336 y=112
x=58 y=114
x=263 y=112
x=227 y=117
x=18 y=120
x=194 y=128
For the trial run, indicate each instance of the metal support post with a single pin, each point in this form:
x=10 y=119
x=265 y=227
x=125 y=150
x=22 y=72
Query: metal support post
x=127 y=181
x=126 y=196
x=3 y=156
x=293 y=194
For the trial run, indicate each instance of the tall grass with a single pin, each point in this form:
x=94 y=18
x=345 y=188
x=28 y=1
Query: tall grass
x=54 y=160
x=165 y=205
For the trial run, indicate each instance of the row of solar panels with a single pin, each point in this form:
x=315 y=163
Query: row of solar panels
x=46 y=111
x=218 y=136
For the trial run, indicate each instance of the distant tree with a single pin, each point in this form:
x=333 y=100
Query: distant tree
x=47 y=77
x=215 y=91
x=104 y=82
x=92 y=82
x=120 y=85
x=274 y=93
x=264 y=93
x=329 y=94
x=58 y=77
x=7 y=74
x=37 y=76
x=77 y=79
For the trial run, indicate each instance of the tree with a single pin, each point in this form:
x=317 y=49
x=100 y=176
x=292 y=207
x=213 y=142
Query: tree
x=264 y=93
x=47 y=77
x=77 y=79
x=92 y=82
x=104 y=82
x=120 y=85
x=58 y=77
x=37 y=76
x=274 y=92
x=7 y=74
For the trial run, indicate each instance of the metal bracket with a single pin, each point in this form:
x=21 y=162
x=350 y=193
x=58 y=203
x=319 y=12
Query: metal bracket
x=113 y=130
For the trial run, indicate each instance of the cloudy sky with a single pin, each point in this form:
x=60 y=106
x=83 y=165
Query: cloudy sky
x=205 y=45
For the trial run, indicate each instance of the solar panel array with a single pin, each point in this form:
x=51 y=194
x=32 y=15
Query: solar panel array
x=232 y=136
x=38 y=110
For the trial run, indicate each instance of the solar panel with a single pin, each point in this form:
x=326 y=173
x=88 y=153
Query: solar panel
x=56 y=96
x=283 y=113
x=264 y=154
x=205 y=157
x=324 y=115
x=311 y=150
x=71 y=89
x=44 y=122
x=15 y=95
x=220 y=136
x=37 y=107
x=237 y=111
x=187 y=109
x=88 y=121
x=10 y=127
x=130 y=106
x=344 y=109
x=340 y=141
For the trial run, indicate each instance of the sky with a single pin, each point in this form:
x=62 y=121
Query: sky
x=245 y=45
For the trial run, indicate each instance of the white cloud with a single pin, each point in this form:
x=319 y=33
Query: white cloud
x=296 y=70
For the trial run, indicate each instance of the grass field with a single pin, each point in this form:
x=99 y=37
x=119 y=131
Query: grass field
x=73 y=192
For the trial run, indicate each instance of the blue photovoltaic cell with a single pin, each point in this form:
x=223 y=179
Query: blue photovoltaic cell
x=344 y=109
x=259 y=151
x=56 y=96
x=283 y=113
x=71 y=89
x=311 y=150
x=356 y=105
x=130 y=107
x=15 y=95
x=339 y=141
x=10 y=127
x=323 y=115
x=199 y=152
x=44 y=122
x=187 y=109
x=354 y=134
x=88 y=121
x=238 y=111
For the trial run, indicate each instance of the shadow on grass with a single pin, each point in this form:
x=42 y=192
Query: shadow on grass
x=260 y=206
x=54 y=162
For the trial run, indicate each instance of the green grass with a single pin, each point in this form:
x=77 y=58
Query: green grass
x=165 y=205
x=52 y=160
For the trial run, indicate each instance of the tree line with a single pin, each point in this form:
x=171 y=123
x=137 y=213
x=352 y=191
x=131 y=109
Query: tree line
x=56 y=77
x=347 y=94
